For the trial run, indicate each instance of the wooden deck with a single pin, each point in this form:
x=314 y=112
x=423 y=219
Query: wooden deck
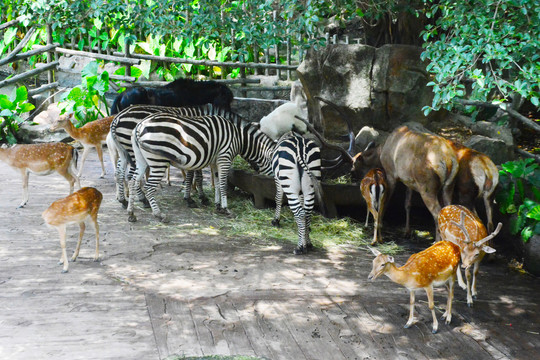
x=183 y=289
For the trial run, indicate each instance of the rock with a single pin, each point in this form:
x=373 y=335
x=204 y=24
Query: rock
x=48 y=116
x=255 y=110
x=532 y=255
x=381 y=87
x=494 y=131
x=496 y=149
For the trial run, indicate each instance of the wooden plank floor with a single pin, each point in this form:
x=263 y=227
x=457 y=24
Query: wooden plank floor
x=184 y=289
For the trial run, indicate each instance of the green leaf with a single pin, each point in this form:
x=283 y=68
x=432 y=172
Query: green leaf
x=91 y=69
x=534 y=213
x=5 y=103
x=26 y=107
x=21 y=94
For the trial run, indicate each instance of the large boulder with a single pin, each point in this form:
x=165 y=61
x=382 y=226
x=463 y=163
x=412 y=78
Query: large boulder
x=378 y=87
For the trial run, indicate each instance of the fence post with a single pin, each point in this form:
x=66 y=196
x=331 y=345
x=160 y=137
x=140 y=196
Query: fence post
x=50 y=73
x=127 y=54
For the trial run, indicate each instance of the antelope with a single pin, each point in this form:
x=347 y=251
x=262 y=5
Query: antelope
x=74 y=208
x=93 y=134
x=42 y=159
x=373 y=188
x=435 y=266
x=470 y=235
x=477 y=177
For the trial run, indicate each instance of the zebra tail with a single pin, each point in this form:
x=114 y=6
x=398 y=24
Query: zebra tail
x=319 y=195
x=122 y=151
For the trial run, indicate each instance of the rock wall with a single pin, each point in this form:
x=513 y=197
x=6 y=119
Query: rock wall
x=379 y=87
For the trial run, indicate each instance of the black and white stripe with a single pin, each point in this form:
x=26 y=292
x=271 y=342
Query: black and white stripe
x=296 y=164
x=193 y=143
x=122 y=128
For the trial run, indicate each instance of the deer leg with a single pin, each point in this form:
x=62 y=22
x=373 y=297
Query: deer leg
x=447 y=316
x=85 y=153
x=488 y=204
x=408 y=198
x=431 y=304
x=367 y=217
x=96 y=228
x=411 y=309
x=475 y=275
x=460 y=279
x=99 y=151
x=63 y=259
x=82 y=227
x=469 y=296
x=25 y=174
x=434 y=207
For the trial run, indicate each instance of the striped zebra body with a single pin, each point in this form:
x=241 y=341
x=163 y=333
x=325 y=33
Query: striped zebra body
x=191 y=144
x=296 y=164
x=122 y=128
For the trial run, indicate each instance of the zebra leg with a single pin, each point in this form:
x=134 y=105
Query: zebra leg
x=309 y=204
x=279 y=203
x=217 y=191
x=300 y=218
x=199 y=186
x=138 y=189
x=133 y=182
x=188 y=181
x=154 y=179
x=119 y=176
x=223 y=171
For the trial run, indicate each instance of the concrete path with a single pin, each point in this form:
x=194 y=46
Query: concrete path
x=183 y=288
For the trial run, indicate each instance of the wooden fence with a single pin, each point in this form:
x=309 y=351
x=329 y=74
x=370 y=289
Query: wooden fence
x=293 y=57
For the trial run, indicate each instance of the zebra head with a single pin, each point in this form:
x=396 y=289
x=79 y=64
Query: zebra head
x=257 y=148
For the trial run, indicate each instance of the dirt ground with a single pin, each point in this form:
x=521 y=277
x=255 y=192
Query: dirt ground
x=184 y=289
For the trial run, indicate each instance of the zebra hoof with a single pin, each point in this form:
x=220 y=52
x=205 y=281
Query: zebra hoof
x=132 y=218
x=275 y=222
x=164 y=219
x=191 y=203
x=309 y=246
x=124 y=203
x=300 y=250
x=224 y=211
x=205 y=201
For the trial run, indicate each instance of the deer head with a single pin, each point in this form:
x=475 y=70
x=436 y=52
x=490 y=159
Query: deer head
x=472 y=249
x=380 y=263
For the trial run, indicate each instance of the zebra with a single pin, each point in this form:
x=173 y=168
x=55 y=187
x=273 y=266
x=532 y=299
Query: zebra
x=296 y=164
x=193 y=143
x=122 y=128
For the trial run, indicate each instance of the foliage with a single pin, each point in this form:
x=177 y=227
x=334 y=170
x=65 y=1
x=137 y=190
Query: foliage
x=87 y=100
x=519 y=196
x=12 y=108
x=487 y=51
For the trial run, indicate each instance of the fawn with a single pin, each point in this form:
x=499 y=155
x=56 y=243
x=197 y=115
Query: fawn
x=373 y=188
x=470 y=235
x=74 y=208
x=93 y=134
x=435 y=266
x=42 y=159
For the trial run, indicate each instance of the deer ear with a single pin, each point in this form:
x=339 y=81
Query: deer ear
x=390 y=259
x=374 y=251
x=488 y=249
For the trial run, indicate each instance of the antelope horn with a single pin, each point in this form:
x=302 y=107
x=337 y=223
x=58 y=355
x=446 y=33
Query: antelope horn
x=490 y=236
x=324 y=141
x=345 y=118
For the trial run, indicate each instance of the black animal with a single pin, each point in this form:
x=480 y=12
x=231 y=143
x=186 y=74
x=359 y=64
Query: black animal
x=180 y=92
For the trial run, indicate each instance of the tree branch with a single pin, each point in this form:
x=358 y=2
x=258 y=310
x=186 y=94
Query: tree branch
x=504 y=107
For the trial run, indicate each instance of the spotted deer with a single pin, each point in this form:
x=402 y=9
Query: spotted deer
x=91 y=135
x=42 y=159
x=74 y=208
x=374 y=190
x=463 y=228
x=435 y=266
